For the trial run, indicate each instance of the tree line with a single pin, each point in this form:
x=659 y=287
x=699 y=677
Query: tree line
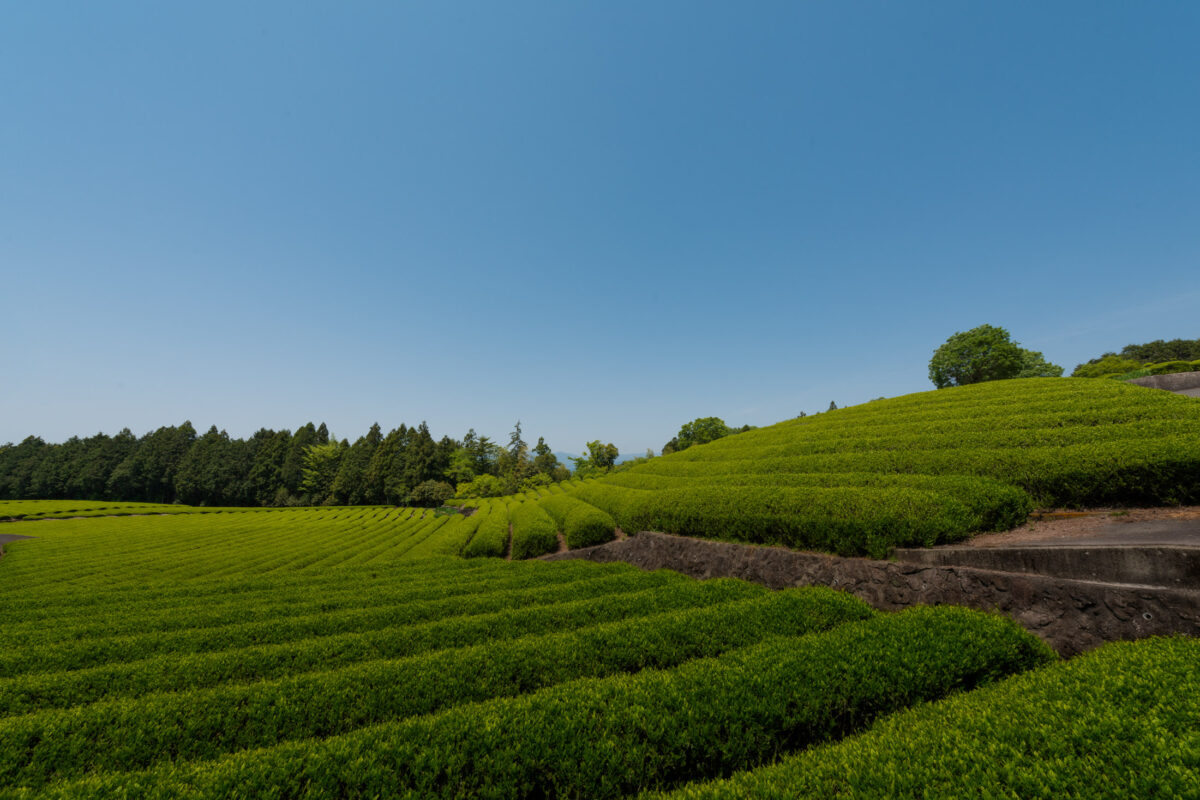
x=406 y=466
x=1133 y=356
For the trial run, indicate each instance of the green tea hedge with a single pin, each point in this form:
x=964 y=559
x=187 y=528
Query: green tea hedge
x=1120 y=722
x=921 y=469
x=608 y=737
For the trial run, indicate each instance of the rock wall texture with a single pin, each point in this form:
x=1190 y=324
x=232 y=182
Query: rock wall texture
x=1071 y=615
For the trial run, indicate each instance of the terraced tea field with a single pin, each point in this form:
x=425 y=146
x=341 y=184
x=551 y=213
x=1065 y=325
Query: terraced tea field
x=325 y=653
x=351 y=651
x=919 y=470
x=312 y=653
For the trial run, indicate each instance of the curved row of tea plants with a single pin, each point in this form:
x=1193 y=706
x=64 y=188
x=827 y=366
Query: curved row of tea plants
x=72 y=649
x=193 y=545
x=126 y=734
x=1119 y=722
x=607 y=737
x=612 y=598
x=919 y=470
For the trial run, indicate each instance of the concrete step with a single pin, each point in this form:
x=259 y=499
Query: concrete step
x=1173 y=567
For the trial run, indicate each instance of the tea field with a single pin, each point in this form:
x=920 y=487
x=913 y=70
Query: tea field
x=919 y=470
x=167 y=651
x=329 y=653
x=312 y=653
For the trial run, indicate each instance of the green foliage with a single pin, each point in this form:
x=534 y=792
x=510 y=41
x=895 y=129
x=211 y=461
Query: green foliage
x=983 y=354
x=462 y=466
x=544 y=460
x=274 y=468
x=1035 y=365
x=845 y=519
x=1119 y=722
x=491 y=537
x=986 y=353
x=533 y=532
x=431 y=493
x=701 y=431
x=185 y=546
x=511 y=606
x=1110 y=364
x=1134 y=356
x=536 y=481
x=483 y=486
x=605 y=737
x=582 y=524
x=120 y=734
x=322 y=462
x=921 y=469
x=600 y=459
x=1169 y=367
x=1159 y=351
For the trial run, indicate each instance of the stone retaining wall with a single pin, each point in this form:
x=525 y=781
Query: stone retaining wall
x=1071 y=615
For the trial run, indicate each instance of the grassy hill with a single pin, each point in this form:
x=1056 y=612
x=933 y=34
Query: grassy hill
x=921 y=469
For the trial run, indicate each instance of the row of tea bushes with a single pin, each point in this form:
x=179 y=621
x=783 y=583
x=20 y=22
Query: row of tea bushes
x=848 y=520
x=992 y=505
x=491 y=533
x=118 y=606
x=534 y=533
x=582 y=524
x=1119 y=722
x=132 y=733
x=919 y=470
x=616 y=597
x=469 y=596
x=64 y=557
x=608 y=737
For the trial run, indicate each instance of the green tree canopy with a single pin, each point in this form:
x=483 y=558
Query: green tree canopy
x=701 y=430
x=602 y=455
x=986 y=353
x=431 y=493
x=1035 y=365
x=322 y=463
x=1109 y=364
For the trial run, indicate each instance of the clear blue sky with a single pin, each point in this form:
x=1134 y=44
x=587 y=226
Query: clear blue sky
x=603 y=218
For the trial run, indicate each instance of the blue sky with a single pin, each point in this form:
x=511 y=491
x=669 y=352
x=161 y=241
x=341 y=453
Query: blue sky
x=604 y=219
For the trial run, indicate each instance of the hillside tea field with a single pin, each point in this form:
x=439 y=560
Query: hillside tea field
x=1120 y=722
x=322 y=653
x=919 y=470
x=328 y=653
x=170 y=651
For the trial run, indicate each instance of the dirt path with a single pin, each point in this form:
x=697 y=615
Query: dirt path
x=5 y=538
x=1173 y=525
x=87 y=516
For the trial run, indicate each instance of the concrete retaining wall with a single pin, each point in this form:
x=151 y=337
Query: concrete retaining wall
x=1187 y=383
x=1173 y=567
x=1071 y=615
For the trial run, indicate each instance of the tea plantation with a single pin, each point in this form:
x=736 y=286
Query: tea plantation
x=919 y=470
x=150 y=651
